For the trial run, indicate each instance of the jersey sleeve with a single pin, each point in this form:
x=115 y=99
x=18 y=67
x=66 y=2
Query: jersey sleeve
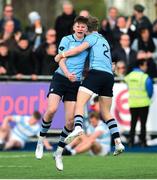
x=63 y=46
x=91 y=40
x=101 y=127
x=17 y=118
x=36 y=130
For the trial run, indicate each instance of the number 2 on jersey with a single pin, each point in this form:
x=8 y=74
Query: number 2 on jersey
x=106 y=51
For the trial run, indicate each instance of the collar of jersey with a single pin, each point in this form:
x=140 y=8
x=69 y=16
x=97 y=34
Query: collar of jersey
x=76 y=39
x=95 y=32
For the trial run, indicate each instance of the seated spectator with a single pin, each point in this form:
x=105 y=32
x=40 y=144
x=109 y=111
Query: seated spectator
x=24 y=128
x=120 y=69
x=146 y=47
x=125 y=53
x=24 y=60
x=45 y=54
x=35 y=31
x=97 y=140
x=5 y=59
x=8 y=14
x=84 y=13
x=64 y=22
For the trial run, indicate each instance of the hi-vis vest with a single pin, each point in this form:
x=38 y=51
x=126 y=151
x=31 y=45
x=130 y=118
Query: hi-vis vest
x=138 y=96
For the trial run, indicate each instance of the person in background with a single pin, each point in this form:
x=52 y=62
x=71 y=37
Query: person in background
x=112 y=17
x=146 y=47
x=49 y=66
x=104 y=30
x=5 y=60
x=8 y=14
x=35 y=31
x=8 y=36
x=45 y=54
x=154 y=33
x=125 y=53
x=84 y=13
x=138 y=19
x=64 y=22
x=120 y=69
x=140 y=88
x=24 y=60
x=107 y=29
x=122 y=28
x=24 y=128
x=97 y=140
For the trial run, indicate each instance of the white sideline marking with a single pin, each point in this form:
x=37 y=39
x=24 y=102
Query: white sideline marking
x=15 y=156
x=13 y=166
x=19 y=156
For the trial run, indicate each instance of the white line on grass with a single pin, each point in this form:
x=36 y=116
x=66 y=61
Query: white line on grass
x=15 y=156
x=13 y=166
x=19 y=156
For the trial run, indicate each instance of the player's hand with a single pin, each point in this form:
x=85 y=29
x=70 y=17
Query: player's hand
x=72 y=77
x=58 y=57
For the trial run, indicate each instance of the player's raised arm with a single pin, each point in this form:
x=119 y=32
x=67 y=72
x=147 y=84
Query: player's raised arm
x=76 y=50
x=72 y=52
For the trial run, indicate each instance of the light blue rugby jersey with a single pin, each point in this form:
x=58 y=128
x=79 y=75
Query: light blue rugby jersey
x=23 y=129
x=105 y=138
x=99 y=54
x=75 y=64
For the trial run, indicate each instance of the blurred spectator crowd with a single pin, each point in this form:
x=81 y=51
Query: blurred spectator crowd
x=31 y=50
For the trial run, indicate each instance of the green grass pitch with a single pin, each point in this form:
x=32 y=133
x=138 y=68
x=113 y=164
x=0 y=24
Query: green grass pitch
x=23 y=165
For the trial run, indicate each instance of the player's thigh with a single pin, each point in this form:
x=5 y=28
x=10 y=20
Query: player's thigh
x=11 y=143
